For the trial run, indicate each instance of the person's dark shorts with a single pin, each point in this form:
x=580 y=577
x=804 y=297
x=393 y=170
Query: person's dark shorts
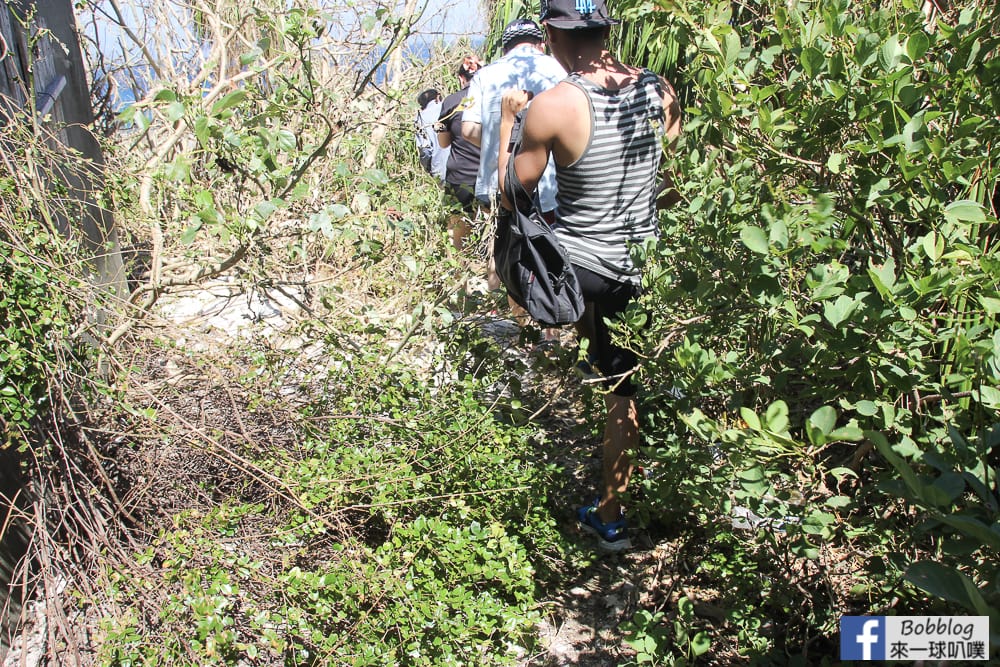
x=609 y=299
x=465 y=194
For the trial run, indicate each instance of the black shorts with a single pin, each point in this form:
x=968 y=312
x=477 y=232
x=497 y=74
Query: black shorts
x=609 y=299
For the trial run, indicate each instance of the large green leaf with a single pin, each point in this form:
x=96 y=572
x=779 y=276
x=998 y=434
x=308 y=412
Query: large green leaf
x=933 y=245
x=776 y=417
x=985 y=535
x=229 y=101
x=891 y=54
x=812 y=60
x=917 y=45
x=755 y=239
x=896 y=461
x=883 y=276
x=836 y=312
x=989 y=397
x=949 y=584
x=964 y=210
x=824 y=419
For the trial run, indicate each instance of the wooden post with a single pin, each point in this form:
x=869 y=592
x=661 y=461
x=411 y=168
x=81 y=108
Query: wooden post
x=60 y=102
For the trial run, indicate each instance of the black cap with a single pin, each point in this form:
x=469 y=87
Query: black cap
x=521 y=29
x=574 y=14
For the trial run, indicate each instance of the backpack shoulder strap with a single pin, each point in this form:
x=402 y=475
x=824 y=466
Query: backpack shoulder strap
x=513 y=187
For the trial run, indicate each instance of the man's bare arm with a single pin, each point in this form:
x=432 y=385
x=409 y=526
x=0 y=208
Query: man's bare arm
x=534 y=153
x=666 y=193
x=671 y=112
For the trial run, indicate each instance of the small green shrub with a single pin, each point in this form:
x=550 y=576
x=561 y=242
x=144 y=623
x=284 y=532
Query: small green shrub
x=421 y=536
x=39 y=313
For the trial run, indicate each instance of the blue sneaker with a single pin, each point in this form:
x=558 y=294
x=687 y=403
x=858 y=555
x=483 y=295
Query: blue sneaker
x=610 y=536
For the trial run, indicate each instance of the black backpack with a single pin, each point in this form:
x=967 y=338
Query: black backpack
x=530 y=261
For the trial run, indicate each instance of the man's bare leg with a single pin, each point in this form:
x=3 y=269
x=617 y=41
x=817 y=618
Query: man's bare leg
x=519 y=314
x=621 y=436
x=492 y=279
x=459 y=227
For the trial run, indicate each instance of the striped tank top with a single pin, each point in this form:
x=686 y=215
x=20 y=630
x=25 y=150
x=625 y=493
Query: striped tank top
x=607 y=198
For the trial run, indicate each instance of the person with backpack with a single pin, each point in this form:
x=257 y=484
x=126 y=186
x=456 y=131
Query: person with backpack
x=463 y=159
x=604 y=126
x=524 y=65
x=433 y=157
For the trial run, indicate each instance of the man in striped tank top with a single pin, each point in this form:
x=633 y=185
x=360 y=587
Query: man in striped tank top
x=604 y=126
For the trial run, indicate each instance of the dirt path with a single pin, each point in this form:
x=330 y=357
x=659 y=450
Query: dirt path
x=582 y=623
x=583 y=626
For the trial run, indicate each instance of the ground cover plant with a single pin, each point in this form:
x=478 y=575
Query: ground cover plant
x=373 y=467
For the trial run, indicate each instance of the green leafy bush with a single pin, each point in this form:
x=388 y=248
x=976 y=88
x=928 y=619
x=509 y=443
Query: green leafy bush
x=39 y=309
x=824 y=297
x=419 y=534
